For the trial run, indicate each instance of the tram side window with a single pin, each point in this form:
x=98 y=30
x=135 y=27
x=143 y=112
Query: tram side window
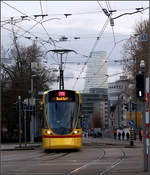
x=46 y=108
x=44 y=125
x=79 y=124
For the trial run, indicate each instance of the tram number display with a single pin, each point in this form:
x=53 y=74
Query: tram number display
x=61 y=96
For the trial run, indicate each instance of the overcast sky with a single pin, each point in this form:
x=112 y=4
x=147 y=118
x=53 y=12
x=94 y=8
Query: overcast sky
x=86 y=21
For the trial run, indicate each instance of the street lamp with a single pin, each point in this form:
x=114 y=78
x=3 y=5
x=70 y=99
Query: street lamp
x=130 y=107
x=32 y=103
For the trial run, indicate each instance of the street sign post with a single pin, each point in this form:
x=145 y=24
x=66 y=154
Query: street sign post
x=143 y=37
x=131 y=123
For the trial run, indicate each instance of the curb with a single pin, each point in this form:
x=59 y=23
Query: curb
x=129 y=146
x=18 y=148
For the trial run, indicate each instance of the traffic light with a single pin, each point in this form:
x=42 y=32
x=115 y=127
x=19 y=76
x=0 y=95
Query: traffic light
x=133 y=106
x=126 y=106
x=140 y=86
x=16 y=106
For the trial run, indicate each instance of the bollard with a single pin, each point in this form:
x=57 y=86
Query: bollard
x=131 y=137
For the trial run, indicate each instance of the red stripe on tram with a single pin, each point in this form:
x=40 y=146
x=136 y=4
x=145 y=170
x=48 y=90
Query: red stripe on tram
x=61 y=136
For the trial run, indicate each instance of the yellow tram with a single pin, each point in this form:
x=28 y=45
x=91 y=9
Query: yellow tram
x=62 y=128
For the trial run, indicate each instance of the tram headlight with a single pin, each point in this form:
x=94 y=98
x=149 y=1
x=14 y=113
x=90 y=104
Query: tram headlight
x=48 y=132
x=76 y=132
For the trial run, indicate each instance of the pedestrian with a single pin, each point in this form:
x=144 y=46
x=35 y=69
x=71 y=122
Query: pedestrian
x=123 y=134
x=115 y=134
x=127 y=135
x=140 y=136
x=119 y=135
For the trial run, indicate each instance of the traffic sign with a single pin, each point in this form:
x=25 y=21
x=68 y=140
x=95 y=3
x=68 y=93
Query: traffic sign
x=85 y=124
x=131 y=122
x=143 y=37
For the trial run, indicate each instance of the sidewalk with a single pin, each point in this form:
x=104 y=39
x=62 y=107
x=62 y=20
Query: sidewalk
x=101 y=140
x=15 y=146
x=111 y=141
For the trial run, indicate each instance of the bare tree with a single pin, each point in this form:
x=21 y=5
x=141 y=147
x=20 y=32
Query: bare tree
x=136 y=50
x=17 y=80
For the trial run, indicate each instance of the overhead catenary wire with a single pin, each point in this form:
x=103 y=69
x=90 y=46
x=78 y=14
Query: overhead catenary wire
x=31 y=40
x=23 y=13
x=32 y=27
x=41 y=40
x=30 y=18
x=111 y=51
x=106 y=76
x=106 y=59
x=94 y=46
x=79 y=13
x=37 y=22
x=100 y=5
x=41 y=7
x=46 y=6
x=108 y=5
x=137 y=11
x=109 y=10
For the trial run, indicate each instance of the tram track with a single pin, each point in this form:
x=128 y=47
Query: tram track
x=57 y=156
x=87 y=164
x=114 y=164
x=101 y=163
x=42 y=156
x=100 y=158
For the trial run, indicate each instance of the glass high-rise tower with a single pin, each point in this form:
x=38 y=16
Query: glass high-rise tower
x=96 y=74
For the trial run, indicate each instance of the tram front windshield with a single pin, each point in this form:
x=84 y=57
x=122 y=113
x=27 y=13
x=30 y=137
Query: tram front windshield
x=62 y=116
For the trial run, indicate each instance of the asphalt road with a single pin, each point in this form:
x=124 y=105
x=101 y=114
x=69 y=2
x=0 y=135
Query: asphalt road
x=91 y=160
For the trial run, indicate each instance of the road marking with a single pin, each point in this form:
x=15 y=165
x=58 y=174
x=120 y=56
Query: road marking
x=86 y=165
x=114 y=164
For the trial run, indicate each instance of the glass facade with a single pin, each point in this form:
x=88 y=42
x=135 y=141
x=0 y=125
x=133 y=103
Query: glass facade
x=96 y=75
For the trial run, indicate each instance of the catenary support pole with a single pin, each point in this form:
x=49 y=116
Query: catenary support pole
x=20 y=131
x=147 y=122
x=148 y=63
x=25 y=137
x=32 y=117
x=0 y=103
x=144 y=134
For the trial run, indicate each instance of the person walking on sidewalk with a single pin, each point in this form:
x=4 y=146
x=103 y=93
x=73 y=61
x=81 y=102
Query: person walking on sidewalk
x=123 y=134
x=140 y=136
x=127 y=135
x=119 y=135
x=115 y=134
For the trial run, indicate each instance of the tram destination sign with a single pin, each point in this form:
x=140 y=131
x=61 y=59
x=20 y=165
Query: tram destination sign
x=61 y=95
